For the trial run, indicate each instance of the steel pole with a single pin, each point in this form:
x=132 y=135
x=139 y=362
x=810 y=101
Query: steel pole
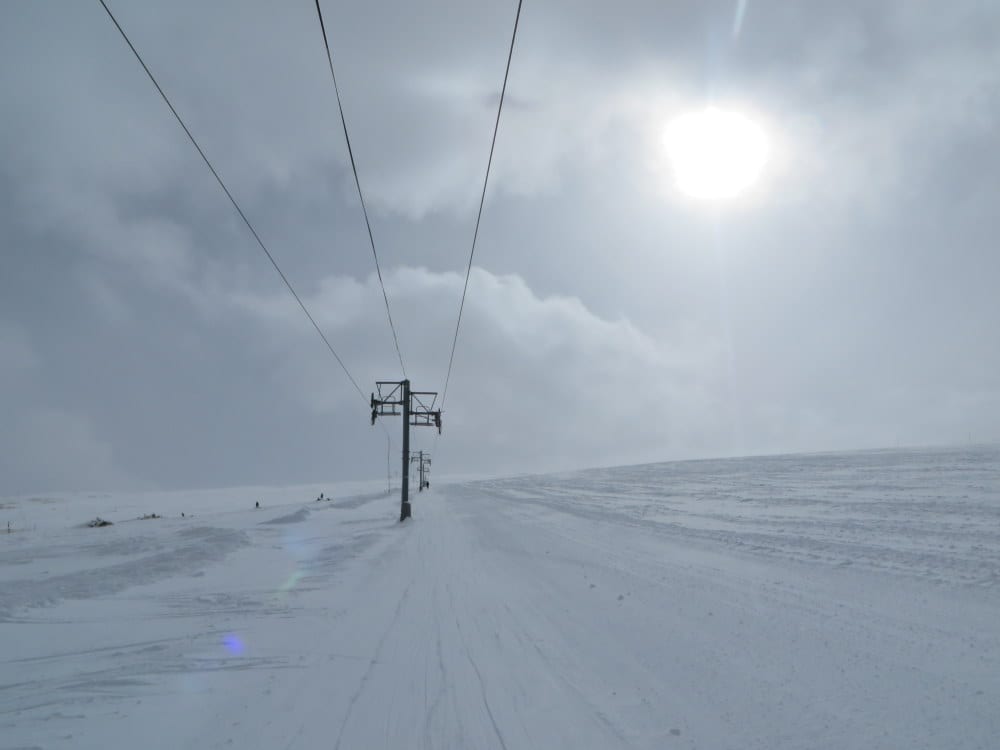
x=404 y=510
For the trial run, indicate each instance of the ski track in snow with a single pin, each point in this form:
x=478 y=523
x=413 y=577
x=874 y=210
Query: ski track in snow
x=828 y=601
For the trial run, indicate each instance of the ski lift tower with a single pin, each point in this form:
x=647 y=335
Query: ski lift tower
x=417 y=409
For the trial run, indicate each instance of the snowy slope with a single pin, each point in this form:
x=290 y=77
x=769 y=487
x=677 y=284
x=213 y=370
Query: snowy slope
x=836 y=601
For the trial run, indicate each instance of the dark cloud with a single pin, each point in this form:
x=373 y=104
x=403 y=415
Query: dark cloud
x=144 y=339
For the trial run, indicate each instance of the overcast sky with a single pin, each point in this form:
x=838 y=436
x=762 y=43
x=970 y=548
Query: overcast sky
x=849 y=300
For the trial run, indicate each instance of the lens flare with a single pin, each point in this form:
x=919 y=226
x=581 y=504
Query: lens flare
x=233 y=643
x=291 y=581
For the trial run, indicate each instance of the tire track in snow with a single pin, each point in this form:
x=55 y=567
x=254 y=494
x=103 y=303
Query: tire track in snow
x=431 y=713
x=371 y=665
x=479 y=675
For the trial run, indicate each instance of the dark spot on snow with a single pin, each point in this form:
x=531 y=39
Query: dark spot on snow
x=621 y=597
x=675 y=732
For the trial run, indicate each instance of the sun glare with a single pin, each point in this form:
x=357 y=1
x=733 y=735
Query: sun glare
x=715 y=154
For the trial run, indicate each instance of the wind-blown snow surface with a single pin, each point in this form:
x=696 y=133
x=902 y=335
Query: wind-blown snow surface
x=829 y=601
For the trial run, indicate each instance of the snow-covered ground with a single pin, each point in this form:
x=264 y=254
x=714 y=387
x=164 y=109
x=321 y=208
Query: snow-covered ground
x=826 y=601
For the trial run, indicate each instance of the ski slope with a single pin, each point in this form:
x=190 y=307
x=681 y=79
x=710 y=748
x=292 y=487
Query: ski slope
x=824 y=601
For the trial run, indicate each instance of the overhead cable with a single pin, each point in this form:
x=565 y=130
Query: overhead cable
x=357 y=182
x=233 y=201
x=482 y=199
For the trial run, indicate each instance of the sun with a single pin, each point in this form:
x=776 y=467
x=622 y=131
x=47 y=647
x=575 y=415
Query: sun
x=715 y=154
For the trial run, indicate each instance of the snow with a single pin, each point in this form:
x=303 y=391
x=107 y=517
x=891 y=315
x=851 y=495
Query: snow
x=826 y=601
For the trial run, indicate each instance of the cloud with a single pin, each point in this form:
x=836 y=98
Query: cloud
x=53 y=449
x=609 y=319
x=538 y=382
x=17 y=355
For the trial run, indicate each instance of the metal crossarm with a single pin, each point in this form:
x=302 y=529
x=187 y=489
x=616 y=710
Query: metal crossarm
x=423 y=400
x=389 y=401
x=389 y=392
x=422 y=411
x=426 y=419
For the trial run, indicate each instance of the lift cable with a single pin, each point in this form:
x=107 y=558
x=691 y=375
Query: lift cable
x=357 y=182
x=482 y=199
x=235 y=204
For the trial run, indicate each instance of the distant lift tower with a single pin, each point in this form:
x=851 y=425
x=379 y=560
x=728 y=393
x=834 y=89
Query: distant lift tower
x=394 y=398
x=424 y=463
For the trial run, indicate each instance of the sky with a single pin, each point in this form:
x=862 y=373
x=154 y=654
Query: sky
x=848 y=300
